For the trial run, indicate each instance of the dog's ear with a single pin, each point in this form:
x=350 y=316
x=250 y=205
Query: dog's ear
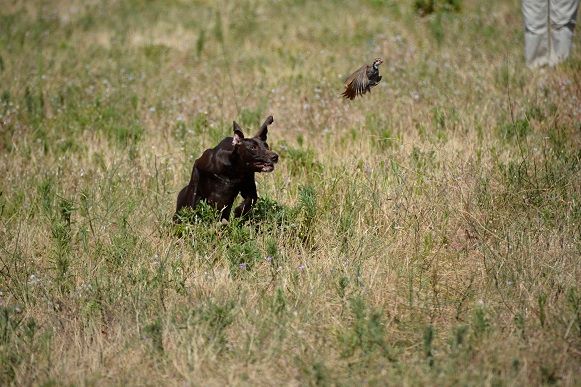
x=238 y=135
x=263 y=131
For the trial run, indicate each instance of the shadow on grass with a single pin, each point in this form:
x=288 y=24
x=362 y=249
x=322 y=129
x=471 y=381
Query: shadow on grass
x=266 y=213
x=239 y=238
x=201 y=228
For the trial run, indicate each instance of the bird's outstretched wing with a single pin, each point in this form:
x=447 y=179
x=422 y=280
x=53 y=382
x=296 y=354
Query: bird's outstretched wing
x=357 y=83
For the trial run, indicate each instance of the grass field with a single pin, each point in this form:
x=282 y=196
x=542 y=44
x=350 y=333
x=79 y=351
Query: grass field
x=426 y=234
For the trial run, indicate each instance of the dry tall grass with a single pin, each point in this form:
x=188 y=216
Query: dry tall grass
x=425 y=234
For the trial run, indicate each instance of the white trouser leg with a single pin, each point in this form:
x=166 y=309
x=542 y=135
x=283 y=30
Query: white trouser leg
x=563 y=14
x=536 y=17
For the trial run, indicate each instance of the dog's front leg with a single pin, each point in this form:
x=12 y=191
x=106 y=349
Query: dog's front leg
x=244 y=207
x=188 y=196
x=248 y=193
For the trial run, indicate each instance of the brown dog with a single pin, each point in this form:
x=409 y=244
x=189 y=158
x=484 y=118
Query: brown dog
x=227 y=170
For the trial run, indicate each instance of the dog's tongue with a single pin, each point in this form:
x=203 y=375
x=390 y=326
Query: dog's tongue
x=267 y=168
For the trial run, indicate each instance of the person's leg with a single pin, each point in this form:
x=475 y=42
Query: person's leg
x=563 y=15
x=536 y=16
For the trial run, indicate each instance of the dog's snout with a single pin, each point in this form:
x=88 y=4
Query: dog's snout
x=274 y=158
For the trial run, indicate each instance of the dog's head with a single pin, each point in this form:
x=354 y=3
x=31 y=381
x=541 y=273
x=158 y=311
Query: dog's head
x=254 y=152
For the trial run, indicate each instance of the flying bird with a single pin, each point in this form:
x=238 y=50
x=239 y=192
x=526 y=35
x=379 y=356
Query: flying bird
x=362 y=80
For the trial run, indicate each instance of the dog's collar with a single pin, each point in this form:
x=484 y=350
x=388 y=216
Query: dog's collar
x=224 y=179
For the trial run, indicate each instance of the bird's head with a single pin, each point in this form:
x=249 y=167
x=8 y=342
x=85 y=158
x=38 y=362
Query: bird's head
x=377 y=62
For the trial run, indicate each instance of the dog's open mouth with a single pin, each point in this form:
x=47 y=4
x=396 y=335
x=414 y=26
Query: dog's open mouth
x=264 y=167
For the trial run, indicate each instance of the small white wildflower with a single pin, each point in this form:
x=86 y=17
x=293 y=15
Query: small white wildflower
x=33 y=280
